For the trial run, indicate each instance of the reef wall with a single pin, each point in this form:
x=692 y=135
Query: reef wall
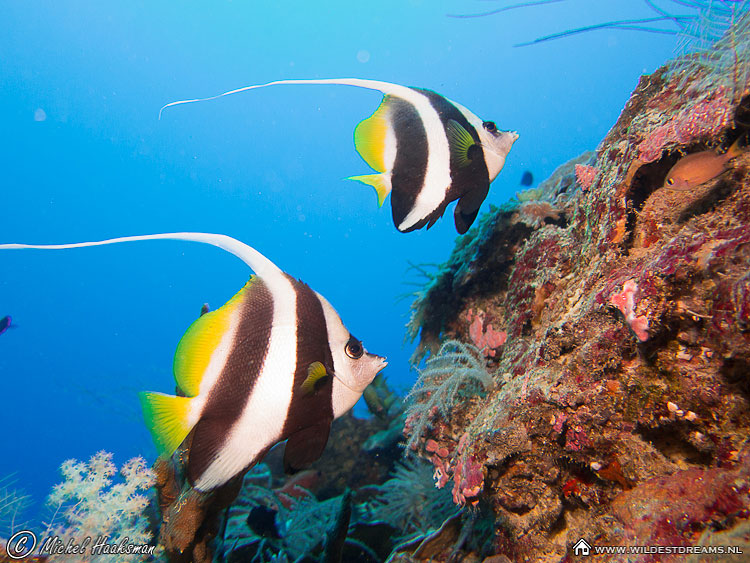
x=614 y=315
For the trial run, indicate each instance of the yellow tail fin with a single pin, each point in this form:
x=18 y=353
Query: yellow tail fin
x=381 y=183
x=166 y=417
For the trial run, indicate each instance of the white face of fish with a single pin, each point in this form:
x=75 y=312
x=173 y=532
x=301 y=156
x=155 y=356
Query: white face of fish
x=354 y=367
x=496 y=145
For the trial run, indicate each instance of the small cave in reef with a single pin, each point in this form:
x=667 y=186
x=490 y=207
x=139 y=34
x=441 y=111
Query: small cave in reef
x=648 y=178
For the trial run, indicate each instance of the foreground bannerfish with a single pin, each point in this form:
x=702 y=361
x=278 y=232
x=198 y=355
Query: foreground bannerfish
x=428 y=152
x=274 y=363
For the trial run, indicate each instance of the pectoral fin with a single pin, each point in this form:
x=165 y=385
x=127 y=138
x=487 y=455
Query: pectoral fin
x=315 y=374
x=463 y=148
x=306 y=446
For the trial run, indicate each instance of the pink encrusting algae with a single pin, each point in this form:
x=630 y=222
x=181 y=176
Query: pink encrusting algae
x=703 y=119
x=487 y=339
x=585 y=175
x=625 y=302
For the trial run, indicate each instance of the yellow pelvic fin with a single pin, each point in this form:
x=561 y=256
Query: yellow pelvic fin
x=369 y=136
x=316 y=372
x=460 y=141
x=381 y=183
x=194 y=350
x=166 y=417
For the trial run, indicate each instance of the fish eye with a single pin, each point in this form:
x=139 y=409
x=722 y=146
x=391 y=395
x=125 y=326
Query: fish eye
x=490 y=126
x=354 y=348
x=670 y=181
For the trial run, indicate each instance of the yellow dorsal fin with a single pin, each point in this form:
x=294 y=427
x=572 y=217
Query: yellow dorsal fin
x=315 y=373
x=194 y=351
x=370 y=134
x=381 y=183
x=166 y=417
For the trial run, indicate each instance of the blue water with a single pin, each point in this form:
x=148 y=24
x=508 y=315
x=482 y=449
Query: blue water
x=83 y=157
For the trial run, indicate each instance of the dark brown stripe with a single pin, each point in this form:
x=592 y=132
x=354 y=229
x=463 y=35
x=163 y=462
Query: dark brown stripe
x=468 y=178
x=231 y=392
x=314 y=409
x=410 y=166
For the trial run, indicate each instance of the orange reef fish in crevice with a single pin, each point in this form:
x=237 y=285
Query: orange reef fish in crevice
x=700 y=167
x=274 y=363
x=428 y=151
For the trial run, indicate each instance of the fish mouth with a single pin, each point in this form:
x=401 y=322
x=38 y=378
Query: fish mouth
x=380 y=359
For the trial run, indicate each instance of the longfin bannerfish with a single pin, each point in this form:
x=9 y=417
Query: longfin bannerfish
x=428 y=151
x=242 y=370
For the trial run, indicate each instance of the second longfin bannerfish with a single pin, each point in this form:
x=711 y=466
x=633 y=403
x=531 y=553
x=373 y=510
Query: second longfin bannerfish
x=428 y=151
x=274 y=363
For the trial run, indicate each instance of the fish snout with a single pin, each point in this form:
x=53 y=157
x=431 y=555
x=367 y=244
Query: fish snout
x=379 y=361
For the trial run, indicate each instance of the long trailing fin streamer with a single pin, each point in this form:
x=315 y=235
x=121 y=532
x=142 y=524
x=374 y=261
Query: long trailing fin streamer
x=254 y=259
x=385 y=87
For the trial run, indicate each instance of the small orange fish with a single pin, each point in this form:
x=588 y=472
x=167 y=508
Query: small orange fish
x=695 y=169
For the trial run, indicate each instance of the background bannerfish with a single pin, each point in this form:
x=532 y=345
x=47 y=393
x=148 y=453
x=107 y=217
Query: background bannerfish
x=274 y=363
x=428 y=151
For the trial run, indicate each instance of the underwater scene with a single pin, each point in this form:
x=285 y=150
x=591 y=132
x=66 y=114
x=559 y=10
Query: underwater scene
x=406 y=281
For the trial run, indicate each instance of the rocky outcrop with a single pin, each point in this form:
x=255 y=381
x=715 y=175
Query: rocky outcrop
x=620 y=411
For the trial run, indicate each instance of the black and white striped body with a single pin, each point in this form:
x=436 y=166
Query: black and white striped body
x=256 y=398
x=275 y=362
x=424 y=179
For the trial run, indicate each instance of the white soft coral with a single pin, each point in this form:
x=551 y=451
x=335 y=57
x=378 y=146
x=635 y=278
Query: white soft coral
x=92 y=507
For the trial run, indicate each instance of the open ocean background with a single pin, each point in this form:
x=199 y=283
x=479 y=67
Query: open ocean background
x=83 y=157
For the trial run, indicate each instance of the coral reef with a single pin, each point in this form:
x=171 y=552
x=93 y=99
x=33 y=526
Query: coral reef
x=623 y=413
x=263 y=524
x=456 y=369
x=409 y=502
x=266 y=524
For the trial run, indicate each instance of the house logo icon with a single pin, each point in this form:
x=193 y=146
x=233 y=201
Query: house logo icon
x=582 y=548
